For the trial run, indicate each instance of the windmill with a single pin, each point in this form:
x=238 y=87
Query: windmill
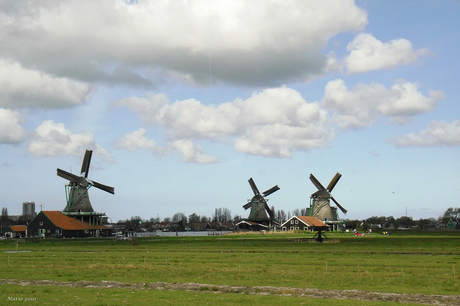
x=258 y=204
x=77 y=189
x=320 y=204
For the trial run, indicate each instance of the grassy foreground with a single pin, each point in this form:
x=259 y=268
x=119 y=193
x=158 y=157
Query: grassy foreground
x=411 y=263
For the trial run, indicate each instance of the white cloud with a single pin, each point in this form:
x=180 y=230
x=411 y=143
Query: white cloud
x=192 y=153
x=237 y=41
x=149 y=108
x=11 y=131
x=273 y=122
x=53 y=139
x=22 y=87
x=365 y=103
x=137 y=140
x=438 y=133
x=368 y=53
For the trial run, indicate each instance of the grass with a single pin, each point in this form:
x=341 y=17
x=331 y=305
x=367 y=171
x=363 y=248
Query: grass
x=416 y=263
x=92 y=296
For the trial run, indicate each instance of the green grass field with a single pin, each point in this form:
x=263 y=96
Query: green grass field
x=404 y=263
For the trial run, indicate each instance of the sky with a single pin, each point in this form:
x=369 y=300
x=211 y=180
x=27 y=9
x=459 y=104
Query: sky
x=183 y=101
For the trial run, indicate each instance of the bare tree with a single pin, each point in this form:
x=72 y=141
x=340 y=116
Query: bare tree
x=222 y=215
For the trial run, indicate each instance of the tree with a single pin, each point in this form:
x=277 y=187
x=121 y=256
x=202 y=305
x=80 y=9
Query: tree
x=237 y=218
x=280 y=216
x=296 y=212
x=222 y=215
x=451 y=213
x=133 y=224
x=179 y=217
x=427 y=223
x=154 y=220
x=194 y=218
x=4 y=219
x=204 y=219
x=4 y=213
x=405 y=222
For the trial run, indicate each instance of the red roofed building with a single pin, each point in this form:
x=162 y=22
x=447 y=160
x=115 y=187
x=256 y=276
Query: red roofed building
x=303 y=223
x=15 y=231
x=56 y=224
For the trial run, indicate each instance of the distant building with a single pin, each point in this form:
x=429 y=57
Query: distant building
x=303 y=223
x=28 y=209
x=56 y=224
x=251 y=226
x=15 y=231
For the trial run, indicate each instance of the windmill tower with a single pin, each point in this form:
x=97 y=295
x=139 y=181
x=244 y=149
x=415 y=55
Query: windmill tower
x=320 y=204
x=259 y=206
x=78 y=203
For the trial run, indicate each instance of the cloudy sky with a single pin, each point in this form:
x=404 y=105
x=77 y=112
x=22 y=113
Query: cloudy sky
x=184 y=101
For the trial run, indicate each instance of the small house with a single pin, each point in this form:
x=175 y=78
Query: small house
x=56 y=224
x=15 y=231
x=251 y=226
x=303 y=223
x=451 y=224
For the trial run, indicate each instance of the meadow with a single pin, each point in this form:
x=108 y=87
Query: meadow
x=233 y=269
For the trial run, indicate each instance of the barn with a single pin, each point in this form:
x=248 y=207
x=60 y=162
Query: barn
x=251 y=226
x=303 y=223
x=15 y=231
x=56 y=224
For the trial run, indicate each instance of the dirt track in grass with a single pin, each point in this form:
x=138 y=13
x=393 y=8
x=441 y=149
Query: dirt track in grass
x=265 y=290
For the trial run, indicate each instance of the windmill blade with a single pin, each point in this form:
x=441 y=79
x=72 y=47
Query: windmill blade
x=248 y=205
x=270 y=191
x=69 y=176
x=339 y=206
x=334 y=181
x=103 y=187
x=272 y=216
x=85 y=164
x=316 y=182
x=253 y=186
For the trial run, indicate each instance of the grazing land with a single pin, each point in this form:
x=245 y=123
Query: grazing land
x=406 y=267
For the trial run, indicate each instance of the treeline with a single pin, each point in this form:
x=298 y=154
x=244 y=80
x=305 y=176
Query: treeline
x=450 y=218
x=223 y=215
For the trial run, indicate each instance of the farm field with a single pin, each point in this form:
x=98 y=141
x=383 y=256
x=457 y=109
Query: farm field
x=417 y=268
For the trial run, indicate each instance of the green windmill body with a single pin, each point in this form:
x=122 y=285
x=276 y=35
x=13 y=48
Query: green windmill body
x=260 y=212
x=320 y=201
x=78 y=204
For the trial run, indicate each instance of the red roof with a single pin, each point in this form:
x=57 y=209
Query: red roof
x=18 y=228
x=67 y=223
x=311 y=221
x=308 y=221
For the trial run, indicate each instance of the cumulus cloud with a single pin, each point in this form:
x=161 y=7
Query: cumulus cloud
x=22 y=87
x=272 y=123
x=438 y=133
x=368 y=53
x=52 y=139
x=256 y=42
x=137 y=140
x=191 y=152
x=11 y=131
x=365 y=103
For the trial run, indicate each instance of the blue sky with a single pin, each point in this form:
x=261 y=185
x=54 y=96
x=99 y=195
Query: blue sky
x=183 y=101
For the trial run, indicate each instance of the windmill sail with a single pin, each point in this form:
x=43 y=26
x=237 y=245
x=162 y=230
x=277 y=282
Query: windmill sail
x=258 y=204
x=77 y=189
x=320 y=205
